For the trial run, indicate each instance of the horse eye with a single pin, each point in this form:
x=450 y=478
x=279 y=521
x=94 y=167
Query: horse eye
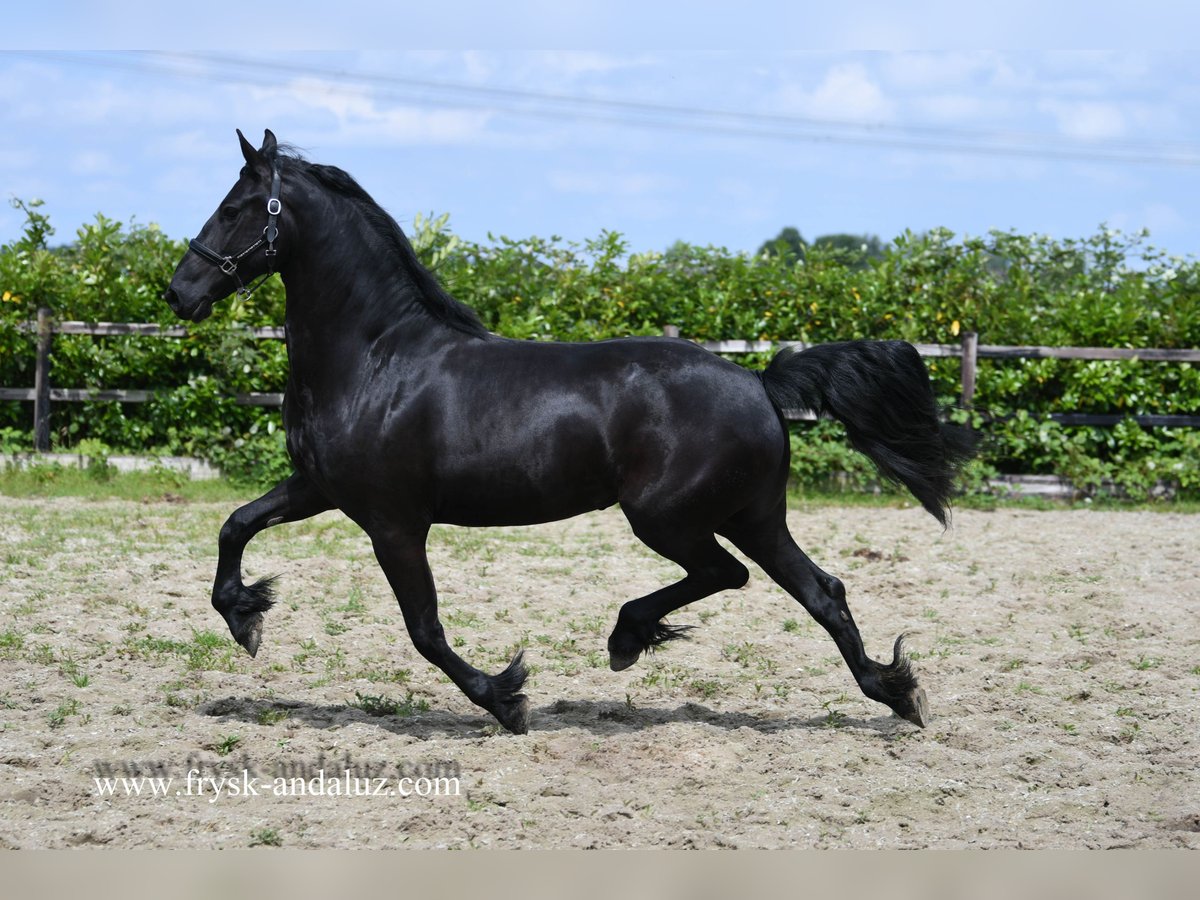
x=229 y=213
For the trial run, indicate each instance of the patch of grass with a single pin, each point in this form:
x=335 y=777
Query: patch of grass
x=266 y=837
x=749 y=655
x=662 y=675
x=465 y=543
x=30 y=604
x=206 y=651
x=1128 y=734
x=595 y=624
x=354 y=604
x=11 y=643
x=834 y=718
x=42 y=655
x=706 y=688
x=375 y=705
x=50 y=480
x=461 y=619
x=149 y=646
x=69 y=667
x=227 y=744
x=387 y=676
x=272 y=715
x=59 y=715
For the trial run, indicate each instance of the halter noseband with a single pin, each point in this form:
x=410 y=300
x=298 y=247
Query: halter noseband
x=229 y=264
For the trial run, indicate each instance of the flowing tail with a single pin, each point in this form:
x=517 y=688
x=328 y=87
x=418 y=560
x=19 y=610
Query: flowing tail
x=881 y=392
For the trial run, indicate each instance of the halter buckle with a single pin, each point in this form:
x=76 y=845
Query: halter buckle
x=274 y=207
x=228 y=265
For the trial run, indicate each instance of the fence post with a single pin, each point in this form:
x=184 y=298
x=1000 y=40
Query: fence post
x=41 y=383
x=970 y=347
x=670 y=331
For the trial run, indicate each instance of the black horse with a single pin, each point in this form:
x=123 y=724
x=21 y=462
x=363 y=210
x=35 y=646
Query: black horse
x=403 y=410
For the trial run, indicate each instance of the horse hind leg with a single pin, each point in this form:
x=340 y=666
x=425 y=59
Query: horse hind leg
x=824 y=597
x=710 y=568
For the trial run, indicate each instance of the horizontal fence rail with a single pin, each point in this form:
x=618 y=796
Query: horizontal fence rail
x=87 y=395
x=990 y=351
x=969 y=350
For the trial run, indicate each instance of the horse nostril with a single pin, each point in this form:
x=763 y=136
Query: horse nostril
x=171 y=297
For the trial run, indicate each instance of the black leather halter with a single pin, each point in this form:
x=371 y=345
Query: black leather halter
x=229 y=264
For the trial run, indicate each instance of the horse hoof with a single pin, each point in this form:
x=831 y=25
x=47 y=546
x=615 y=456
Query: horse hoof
x=918 y=712
x=619 y=663
x=251 y=636
x=514 y=714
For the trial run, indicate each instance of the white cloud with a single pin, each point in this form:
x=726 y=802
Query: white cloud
x=1087 y=120
x=846 y=92
x=936 y=71
x=360 y=115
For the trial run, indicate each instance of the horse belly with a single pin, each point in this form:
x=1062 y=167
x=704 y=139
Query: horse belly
x=520 y=479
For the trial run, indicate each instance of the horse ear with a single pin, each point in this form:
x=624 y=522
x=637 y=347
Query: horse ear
x=268 y=142
x=253 y=157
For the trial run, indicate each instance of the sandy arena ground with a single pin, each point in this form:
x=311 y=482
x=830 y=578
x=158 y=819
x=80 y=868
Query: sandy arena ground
x=1060 y=652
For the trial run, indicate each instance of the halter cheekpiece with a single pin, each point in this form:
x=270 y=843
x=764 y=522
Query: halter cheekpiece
x=229 y=264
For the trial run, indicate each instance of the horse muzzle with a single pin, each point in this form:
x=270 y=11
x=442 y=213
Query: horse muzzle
x=192 y=311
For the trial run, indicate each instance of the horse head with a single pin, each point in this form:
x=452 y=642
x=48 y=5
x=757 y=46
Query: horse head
x=243 y=229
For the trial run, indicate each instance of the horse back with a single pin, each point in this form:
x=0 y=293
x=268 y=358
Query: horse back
x=515 y=432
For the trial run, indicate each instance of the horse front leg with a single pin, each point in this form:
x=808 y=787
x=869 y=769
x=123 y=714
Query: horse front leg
x=241 y=605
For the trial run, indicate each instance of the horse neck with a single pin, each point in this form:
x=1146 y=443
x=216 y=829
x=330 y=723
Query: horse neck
x=344 y=290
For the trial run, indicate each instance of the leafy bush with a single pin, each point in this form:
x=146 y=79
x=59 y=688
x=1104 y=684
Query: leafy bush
x=1110 y=289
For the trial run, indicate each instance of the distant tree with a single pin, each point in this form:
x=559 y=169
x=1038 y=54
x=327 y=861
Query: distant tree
x=859 y=250
x=679 y=253
x=787 y=243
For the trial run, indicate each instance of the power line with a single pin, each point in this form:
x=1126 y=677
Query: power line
x=638 y=114
x=642 y=107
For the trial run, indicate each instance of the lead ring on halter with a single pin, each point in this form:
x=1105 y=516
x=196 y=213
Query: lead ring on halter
x=229 y=263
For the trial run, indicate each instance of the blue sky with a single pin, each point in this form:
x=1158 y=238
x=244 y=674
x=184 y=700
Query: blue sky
x=708 y=145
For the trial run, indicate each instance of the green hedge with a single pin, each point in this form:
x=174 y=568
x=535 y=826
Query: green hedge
x=1110 y=289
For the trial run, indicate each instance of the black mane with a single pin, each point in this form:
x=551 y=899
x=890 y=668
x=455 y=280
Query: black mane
x=433 y=296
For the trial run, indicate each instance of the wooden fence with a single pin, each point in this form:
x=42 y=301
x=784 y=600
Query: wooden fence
x=969 y=350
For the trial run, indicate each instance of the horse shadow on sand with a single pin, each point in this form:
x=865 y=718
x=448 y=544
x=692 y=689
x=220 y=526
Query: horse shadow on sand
x=601 y=718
